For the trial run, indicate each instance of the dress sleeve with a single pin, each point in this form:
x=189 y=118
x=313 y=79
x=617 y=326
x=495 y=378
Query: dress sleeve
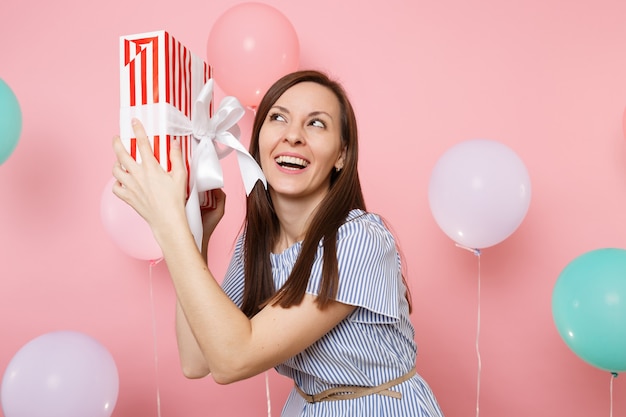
x=370 y=273
x=233 y=282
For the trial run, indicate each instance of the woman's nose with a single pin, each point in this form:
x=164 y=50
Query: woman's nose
x=294 y=135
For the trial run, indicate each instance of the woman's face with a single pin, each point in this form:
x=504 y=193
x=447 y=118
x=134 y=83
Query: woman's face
x=300 y=142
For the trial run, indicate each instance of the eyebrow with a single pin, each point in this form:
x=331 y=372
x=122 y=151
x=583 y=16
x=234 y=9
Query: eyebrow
x=313 y=113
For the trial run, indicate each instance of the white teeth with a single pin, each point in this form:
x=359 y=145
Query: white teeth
x=292 y=161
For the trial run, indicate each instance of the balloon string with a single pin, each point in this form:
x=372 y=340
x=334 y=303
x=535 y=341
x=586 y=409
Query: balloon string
x=154 y=339
x=156 y=355
x=267 y=394
x=477 y=253
x=613 y=376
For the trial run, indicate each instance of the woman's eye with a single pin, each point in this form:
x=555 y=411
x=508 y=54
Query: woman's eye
x=277 y=116
x=317 y=123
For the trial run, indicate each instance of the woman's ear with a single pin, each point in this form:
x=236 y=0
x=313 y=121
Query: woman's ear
x=340 y=160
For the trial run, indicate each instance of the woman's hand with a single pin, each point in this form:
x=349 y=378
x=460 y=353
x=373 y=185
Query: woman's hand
x=158 y=196
x=212 y=216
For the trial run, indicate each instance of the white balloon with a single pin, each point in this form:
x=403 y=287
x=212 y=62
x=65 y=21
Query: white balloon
x=60 y=374
x=479 y=193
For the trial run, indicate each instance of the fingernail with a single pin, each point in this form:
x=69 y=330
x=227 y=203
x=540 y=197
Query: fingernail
x=134 y=121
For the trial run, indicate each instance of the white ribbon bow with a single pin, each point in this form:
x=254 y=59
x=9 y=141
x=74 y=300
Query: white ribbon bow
x=206 y=172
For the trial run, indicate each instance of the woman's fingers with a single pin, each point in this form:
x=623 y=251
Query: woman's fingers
x=144 y=148
x=147 y=154
x=142 y=184
x=176 y=159
x=220 y=196
x=123 y=157
x=143 y=144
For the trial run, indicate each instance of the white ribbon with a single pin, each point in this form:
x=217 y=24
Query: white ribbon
x=205 y=172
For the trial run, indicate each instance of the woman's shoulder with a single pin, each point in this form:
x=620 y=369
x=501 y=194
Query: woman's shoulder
x=359 y=219
x=364 y=225
x=361 y=216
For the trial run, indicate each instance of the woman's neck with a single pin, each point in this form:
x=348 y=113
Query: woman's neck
x=294 y=216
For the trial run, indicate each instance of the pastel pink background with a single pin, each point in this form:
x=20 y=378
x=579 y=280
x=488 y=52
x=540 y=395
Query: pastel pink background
x=545 y=77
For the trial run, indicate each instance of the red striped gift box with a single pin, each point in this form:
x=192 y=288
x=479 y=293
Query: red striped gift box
x=160 y=80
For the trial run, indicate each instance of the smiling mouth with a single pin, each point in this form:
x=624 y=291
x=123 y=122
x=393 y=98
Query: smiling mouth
x=291 y=162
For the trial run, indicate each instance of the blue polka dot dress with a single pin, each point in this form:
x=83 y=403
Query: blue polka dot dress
x=373 y=345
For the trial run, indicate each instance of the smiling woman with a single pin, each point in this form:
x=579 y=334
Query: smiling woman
x=292 y=162
x=315 y=285
x=300 y=144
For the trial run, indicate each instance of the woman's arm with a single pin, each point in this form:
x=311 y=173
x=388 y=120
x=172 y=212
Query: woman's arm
x=192 y=360
x=233 y=346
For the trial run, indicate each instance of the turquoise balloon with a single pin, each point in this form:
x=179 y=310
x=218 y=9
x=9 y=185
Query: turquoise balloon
x=10 y=121
x=589 y=308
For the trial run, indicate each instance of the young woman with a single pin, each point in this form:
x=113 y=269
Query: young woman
x=315 y=285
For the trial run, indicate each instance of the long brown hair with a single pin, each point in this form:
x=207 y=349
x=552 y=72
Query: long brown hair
x=262 y=227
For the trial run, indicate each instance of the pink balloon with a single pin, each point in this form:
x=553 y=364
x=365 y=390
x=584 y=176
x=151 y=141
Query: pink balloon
x=128 y=230
x=250 y=46
x=479 y=193
x=60 y=374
